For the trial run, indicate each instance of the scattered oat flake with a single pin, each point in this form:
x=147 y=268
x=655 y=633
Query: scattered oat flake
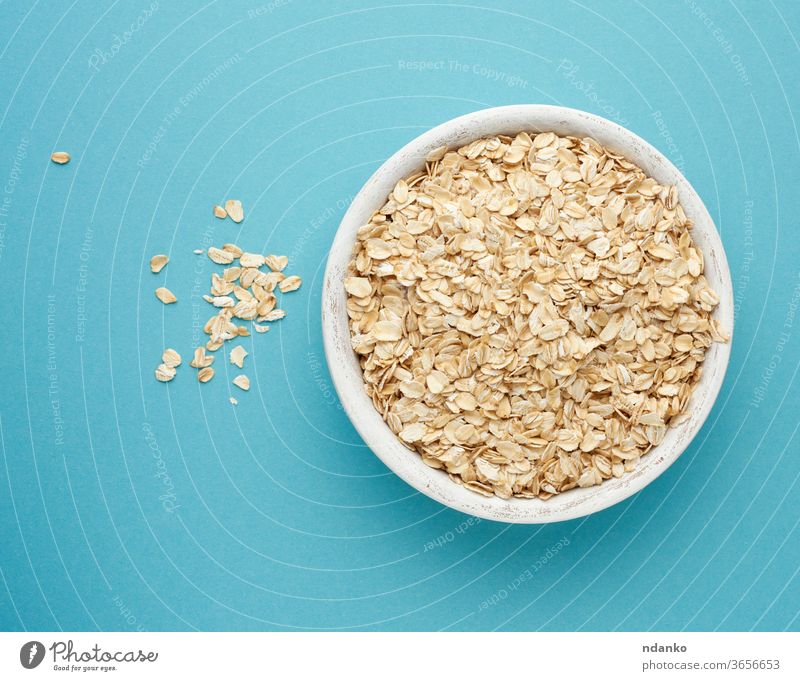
x=220 y=212
x=277 y=263
x=219 y=301
x=171 y=358
x=233 y=400
x=220 y=256
x=530 y=313
x=251 y=260
x=237 y=356
x=291 y=283
x=200 y=359
x=234 y=210
x=158 y=263
x=241 y=381
x=387 y=331
x=273 y=316
x=198 y=251
x=165 y=295
x=60 y=157
x=165 y=373
x=205 y=375
x=261 y=329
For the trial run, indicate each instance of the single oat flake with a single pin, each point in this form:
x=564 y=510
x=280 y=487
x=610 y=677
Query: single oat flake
x=220 y=256
x=165 y=295
x=158 y=263
x=165 y=373
x=201 y=360
x=60 y=157
x=530 y=313
x=171 y=358
x=237 y=356
x=220 y=212
x=234 y=209
x=291 y=283
x=241 y=381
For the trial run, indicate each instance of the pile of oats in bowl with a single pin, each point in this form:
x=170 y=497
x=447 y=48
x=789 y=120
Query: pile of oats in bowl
x=530 y=313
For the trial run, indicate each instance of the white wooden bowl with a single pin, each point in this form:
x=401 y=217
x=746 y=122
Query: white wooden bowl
x=343 y=363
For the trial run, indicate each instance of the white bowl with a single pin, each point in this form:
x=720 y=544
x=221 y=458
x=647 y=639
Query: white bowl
x=343 y=363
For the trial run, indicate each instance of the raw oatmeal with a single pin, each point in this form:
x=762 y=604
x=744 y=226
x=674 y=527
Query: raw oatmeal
x=530 y=313
x=242 y=292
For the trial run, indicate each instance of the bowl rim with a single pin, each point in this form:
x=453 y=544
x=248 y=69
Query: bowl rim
x=384 y=443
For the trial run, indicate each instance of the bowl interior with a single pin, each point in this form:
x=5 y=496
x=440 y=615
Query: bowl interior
x=346 y=372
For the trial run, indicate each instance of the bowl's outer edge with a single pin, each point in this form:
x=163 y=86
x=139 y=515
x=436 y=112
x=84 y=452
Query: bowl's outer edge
x=343 y=363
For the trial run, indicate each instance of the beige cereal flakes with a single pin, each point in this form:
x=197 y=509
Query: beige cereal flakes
x=277 y=263
x=530 y=313
x=220 y=256
x=242 y=291
x=201 y=360
x=290 y=284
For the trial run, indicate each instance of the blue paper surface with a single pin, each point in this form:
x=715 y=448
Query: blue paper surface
x=126 y=504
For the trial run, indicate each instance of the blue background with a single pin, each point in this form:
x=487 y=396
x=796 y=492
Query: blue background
x=129 y=504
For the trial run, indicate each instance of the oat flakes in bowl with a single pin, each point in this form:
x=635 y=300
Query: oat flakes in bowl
x=530 y=314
